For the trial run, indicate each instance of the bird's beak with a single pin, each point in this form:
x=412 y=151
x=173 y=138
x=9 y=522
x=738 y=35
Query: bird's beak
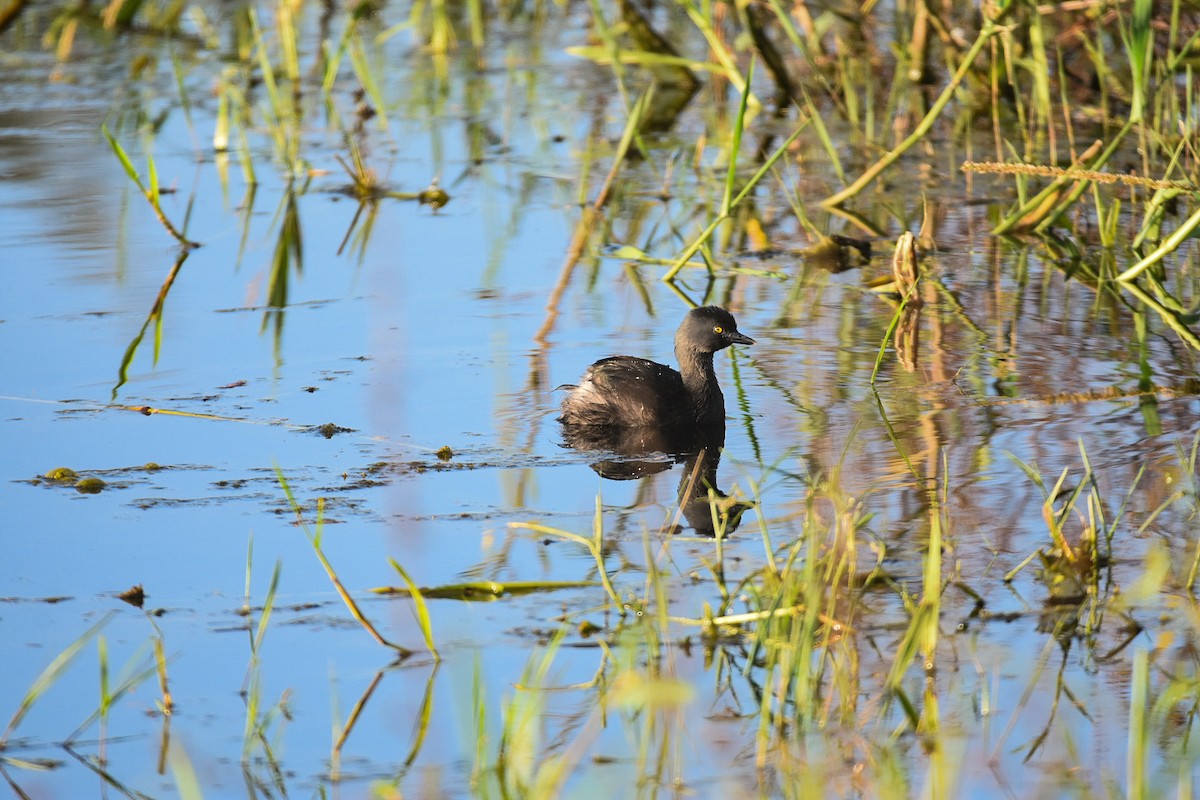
x=738 y=338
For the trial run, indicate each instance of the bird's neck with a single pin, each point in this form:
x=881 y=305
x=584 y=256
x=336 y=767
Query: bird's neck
x=700 y=381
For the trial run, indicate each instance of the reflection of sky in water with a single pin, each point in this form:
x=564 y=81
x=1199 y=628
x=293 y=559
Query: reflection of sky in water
x=429 y=341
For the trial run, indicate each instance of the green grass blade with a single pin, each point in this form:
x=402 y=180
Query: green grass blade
x=186 y=781
x=1170 y=244
x=51 y=674
x=702 y=239
x=922 y=128
x=739 y=125
x=422 y=609
x=123 y=157
x=719 y=48
x=268 y=605
x=152 y=191
x=362 y=69
x=1140 y=738
x=314 y=540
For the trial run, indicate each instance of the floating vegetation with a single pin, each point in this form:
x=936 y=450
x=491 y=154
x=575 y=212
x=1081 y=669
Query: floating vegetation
x=90 y=485
x=65 y=476
x=134 y=595
x=484 y=591
x=328 y=430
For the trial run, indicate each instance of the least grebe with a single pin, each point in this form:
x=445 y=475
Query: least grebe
x=629 y=392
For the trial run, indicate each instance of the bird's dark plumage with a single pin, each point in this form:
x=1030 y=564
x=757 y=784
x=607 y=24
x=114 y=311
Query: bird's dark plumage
x=629 y=392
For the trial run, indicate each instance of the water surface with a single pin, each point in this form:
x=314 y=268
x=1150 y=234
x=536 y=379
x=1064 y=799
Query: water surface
x=440 y=328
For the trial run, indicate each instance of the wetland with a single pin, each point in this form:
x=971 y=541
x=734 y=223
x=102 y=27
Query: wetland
x=289 y=287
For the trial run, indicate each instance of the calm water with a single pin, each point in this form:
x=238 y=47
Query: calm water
x=425 y=335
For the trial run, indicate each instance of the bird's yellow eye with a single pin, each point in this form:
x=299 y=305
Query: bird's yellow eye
x=718 y=329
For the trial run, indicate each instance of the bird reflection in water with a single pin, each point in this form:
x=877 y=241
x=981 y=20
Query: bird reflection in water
x=631 y=453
